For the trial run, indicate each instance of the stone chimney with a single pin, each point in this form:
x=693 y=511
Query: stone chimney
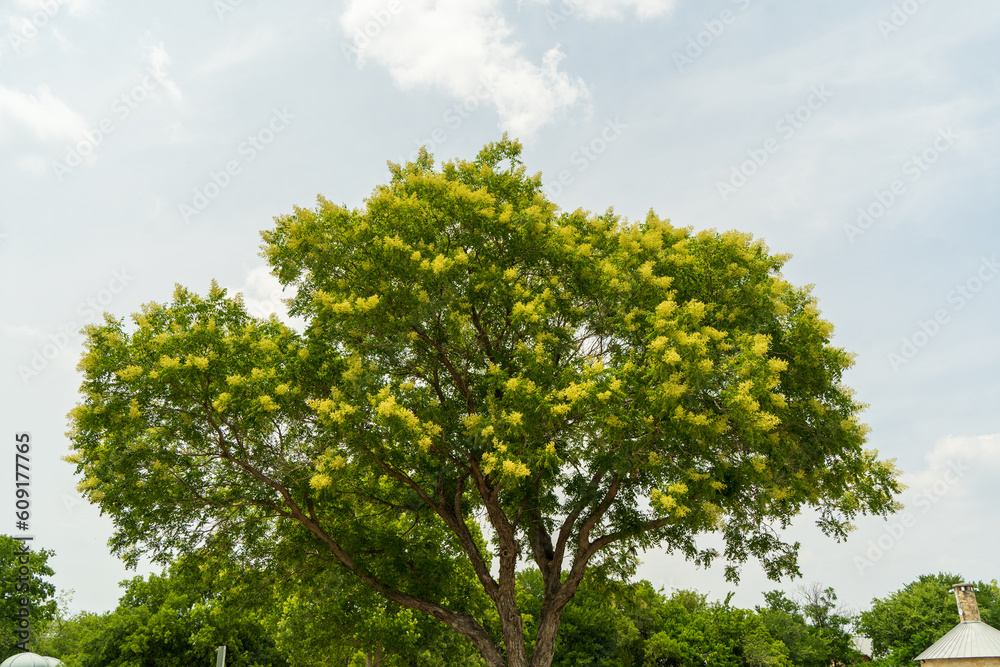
x=965 y=597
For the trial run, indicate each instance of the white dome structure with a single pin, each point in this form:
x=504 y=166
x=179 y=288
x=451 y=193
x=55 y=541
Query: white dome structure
x=31 y=660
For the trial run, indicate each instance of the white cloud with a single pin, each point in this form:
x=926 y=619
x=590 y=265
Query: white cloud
x=27 y=19
x=48 y=117
x=464 y=48
x=158 y=58
x=597 y=9
x=954 y=458
x=247 y=47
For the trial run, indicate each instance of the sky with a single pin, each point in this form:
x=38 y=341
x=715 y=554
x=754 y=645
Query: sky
x=147 y=144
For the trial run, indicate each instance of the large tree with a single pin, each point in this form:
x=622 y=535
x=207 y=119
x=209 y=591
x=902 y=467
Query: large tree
x=582 y=386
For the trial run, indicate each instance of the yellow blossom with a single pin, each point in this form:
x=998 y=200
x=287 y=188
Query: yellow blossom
x=129 y=373
x=560 y=410
x=439 y=264
x=221 y=402
x=515 y=469
x=320 y=481
x=168 y=362
x=201 y=363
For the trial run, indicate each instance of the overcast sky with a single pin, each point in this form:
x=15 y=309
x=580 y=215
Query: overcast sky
x=146 y=144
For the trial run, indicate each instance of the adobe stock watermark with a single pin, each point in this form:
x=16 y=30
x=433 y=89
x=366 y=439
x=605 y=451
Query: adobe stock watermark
x=31 y=26
x=454 y=116
x=787 y=125
x=914 y=167
x=566 y=9
x=89 y=310
x=704 y=39
x=960 y=295
x=224 y=8
x=586 y=155
x=378 y=21
x=22 y=513
x=121 y=108
x=901 y=14
x=247 y=151
x=905 y=520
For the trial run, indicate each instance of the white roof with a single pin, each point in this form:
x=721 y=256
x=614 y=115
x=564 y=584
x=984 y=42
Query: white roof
x=30 y=660
x=969 y=639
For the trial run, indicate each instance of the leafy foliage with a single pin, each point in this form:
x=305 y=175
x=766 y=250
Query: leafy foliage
x=583 y=386
x=815 y=634
x=176 y=619
x=17 y=585
x=613 y=624
x=330 y=619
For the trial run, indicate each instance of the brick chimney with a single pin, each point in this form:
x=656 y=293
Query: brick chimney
x=965 y=597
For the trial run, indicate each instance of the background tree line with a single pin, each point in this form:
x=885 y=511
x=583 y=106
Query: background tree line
x=325 y=619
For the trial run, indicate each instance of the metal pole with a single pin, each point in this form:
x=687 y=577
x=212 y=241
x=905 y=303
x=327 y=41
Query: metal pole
x=220 y=657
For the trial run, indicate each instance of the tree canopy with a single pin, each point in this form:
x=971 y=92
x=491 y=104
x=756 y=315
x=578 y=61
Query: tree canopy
x=580 y=386
x=814 y=631
x=23 y=578
x=175 y=619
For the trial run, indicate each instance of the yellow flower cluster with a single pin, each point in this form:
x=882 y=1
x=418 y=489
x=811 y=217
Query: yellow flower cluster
x=440 y=264
x=365 y=305
x=169 y=363
x=393 y=242
x=320 y=481
x=201 y=363
x=696 y=309
x=331 y=410
x=512 y=469
x=507 y=467
x=354 y=369
x=668 y=503
x=129 y=373
x=221 y=402
x=575 y=392
x=471 y=423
